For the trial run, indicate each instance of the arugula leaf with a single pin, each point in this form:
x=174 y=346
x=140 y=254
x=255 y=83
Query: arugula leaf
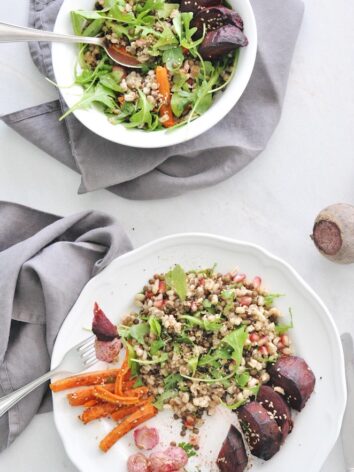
x=283 y=328
x=93 y=28
x=171 y=381
x=166 y=9
x=193 y=364
x=188 y=449
x=236 y=339
x=157 y=360
x=143 y=115
x=208 y=379
x=234 y=406
x=138 y=383
x=269 y=299
x=109 y=81
x=173 y=58
x=242 y=379
x=138 y=331
x=255 y=390
x=161 y=399
x=123 y=17
x=134 y=368
x=98 y=95
x=205 y=324
x=156 y=346
x=165 y=41
x=155 y=327
x=177 y=280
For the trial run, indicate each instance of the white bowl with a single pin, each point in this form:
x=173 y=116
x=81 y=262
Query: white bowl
x=314 y=336
x=65 y=57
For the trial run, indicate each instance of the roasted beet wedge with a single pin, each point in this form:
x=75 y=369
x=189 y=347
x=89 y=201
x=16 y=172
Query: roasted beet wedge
x=261 y=431
x=277 y=407
x=102 y=327
x=215 y=17
x=222 y=41
x=232 y=456
x=195 y=5
x=295 y=377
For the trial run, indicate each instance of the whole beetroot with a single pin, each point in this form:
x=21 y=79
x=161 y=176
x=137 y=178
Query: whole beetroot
x=333 y=233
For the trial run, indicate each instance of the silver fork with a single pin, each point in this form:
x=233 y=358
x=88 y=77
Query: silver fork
x=80 y=357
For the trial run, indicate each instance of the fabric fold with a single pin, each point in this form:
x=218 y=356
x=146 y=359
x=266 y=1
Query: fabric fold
x=45 y=261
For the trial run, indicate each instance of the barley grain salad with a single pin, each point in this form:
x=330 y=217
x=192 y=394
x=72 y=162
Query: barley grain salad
x=201 y=339
x=187 y=51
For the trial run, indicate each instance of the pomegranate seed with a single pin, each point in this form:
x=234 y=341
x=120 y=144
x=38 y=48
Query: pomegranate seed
x=246 y=301
x=239 y=277
x=280 y=345
x=202 y=282
x=263 y=341
x=257 y=281
x=159 y=303
x=254 y=337
x=263 y=350
x=149 y=294
x=162 y=286
x=189 y=422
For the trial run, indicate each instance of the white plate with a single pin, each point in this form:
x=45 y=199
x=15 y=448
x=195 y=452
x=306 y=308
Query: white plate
x=64 y=58
x=315 y=339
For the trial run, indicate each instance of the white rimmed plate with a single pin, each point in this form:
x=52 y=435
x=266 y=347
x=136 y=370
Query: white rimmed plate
x=315 y=339
x=64 y=57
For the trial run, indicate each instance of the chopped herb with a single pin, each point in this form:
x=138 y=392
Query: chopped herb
x=269 y=299
x=242 y=379
x=156 y=346
x=236 y=339
x=138 y=383
x=139 y=331
x=234 y=406
x=188 y=449
x=161 y=399
x=171 y=381
x=177 y=280
x=157 y=360
x=155 y=326
x=283 y=328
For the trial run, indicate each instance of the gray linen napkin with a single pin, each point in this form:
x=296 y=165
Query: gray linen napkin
x=45 y=261
x=206 y=160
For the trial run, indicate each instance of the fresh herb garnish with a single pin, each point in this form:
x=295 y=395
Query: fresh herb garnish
x=161 y=399
x=270 y=297
x=283 y=328
x=188 y=449
x=177 y=280
x=236 y=339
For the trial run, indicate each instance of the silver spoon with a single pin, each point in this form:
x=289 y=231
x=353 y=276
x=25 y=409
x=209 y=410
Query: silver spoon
x=12 y=33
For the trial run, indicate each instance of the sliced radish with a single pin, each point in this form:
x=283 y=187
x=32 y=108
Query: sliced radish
x=138 y=463
x=146 y=438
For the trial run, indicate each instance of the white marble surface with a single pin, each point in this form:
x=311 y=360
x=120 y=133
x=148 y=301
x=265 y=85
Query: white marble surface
x=308 y=164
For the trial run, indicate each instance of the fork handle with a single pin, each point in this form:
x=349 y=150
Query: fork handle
x=11 y=399
x=12 y=33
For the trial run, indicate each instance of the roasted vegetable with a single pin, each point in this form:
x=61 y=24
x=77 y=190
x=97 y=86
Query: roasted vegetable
x=295 y=377
x=277 y=407
x=102 y=327
x=222 y=41
x=260 y=430
x=333 y=233
x=215 y=17
x=195 y=5
x=232 y=456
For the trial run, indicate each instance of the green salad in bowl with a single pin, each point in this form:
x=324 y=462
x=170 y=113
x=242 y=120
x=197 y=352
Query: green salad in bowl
x=187 y=52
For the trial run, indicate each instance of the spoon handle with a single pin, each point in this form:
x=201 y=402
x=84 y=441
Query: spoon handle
x=12 y=33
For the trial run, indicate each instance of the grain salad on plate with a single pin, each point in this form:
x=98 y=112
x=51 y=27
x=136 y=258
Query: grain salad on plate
x=199 y=341
x=186 y=53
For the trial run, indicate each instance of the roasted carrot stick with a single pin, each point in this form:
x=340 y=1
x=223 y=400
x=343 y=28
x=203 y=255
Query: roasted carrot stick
x=165 y=90
x=98 y=411
x=90 y=403
x=103 y=394
x=80 y=397
x=88 y=378
x=136 y=392
x=129 y=409
x=120 y=376
x=140 y=416
x=128 y=384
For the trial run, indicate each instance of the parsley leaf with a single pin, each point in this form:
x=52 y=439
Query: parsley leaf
x=188 y=449
x=236 y=339
x=177 y=280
